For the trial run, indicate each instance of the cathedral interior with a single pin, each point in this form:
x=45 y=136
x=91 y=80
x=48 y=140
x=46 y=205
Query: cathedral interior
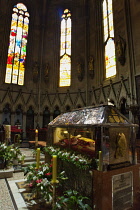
x=56 y=56
x=61 y=57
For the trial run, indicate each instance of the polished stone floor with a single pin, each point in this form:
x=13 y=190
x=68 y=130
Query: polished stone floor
x=10 y=197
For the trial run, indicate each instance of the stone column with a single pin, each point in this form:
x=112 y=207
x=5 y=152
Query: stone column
x=24 y=125
x=12 y=118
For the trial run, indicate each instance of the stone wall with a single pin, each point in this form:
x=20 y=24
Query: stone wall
x=87 y=40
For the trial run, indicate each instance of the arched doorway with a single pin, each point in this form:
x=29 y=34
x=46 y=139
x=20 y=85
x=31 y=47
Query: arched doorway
x=30 y=118
x=56 y=112
x=6 y=115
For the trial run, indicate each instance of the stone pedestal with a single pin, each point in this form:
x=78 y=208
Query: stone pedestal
x=121 y=186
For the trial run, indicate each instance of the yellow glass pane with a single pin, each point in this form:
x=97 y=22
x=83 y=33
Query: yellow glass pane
x=21 y=12
x=105 y=29
x=15 y=71
x=15 y=10
x=21 y=6
x=111 y=26
x=105 y=21
x=66 y=11
x=110 y=59
x=65 y=71
x=26 y=14
x=21 y=77
x=14 y=79
x=8 y=74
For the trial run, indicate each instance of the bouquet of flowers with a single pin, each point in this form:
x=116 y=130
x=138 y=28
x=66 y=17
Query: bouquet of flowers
x=39 y=180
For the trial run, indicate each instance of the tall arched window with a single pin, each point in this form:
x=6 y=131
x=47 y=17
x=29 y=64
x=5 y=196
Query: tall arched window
x=65 y=50
x=110 y=58
x=15 y=68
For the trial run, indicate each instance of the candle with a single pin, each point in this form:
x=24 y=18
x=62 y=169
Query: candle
x=54 y=169
x=100 y=160
x=36 y=137
x=37 y=158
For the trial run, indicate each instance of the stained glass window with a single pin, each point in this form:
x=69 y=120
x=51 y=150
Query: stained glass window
x=110 y=58
x=15 y=67
x=65 y=50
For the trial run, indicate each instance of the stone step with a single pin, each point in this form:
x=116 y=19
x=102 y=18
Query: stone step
x=19 y=168
x=31 y=162
x=31 y=159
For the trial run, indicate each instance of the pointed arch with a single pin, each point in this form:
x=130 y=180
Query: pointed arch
x=56 y=112
x=65 y=50
x=109 y=45
x=15 y=68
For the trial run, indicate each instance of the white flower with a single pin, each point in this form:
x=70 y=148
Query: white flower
x=59 y=153
x=45 y=182
x=45 y=168
x=40 y=172
x=34 y=178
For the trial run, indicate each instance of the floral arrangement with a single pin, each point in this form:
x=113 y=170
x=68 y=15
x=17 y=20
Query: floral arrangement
x=8 y=153
x=16 y=153
x=39 y=180
x=79 y=160
x=5 y=152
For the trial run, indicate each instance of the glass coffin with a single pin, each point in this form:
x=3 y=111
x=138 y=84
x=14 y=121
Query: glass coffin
x=94 y=129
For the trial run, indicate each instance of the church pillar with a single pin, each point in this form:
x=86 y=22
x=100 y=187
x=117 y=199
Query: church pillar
x=12 y=118
x=24 y=125
x=1 y=119
x=99 y=43
x=130 y=49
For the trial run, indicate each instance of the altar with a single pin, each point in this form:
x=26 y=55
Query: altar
x=106 y=136
x=15 y=130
